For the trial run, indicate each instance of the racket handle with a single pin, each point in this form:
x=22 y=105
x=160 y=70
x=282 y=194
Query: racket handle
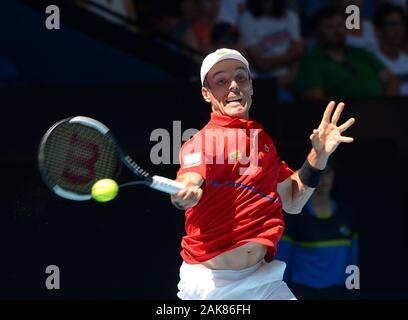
x=166 y=185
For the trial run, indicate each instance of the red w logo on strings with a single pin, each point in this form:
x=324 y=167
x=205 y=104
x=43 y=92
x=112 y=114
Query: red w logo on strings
x=76 y=159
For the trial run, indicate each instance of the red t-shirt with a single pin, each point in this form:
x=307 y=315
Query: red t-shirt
x=240 y=202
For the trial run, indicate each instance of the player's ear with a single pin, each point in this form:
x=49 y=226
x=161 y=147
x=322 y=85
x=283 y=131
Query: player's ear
x=206 y=94
x=251 y=89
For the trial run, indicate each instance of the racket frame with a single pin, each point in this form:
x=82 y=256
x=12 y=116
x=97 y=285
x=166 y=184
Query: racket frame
x=156 y=182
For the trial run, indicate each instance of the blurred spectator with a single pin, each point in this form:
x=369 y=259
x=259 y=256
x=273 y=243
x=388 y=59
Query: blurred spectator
x=364 y=37
x=165 y=17
x=271 y=37
x=198 y=35
x=225 y=36
x=391 y=24
x=166 y=22
x=189 y=11
x=172 y=19
x=319 y=244
x=229 y=12
x=307 y=9
x=335 y=70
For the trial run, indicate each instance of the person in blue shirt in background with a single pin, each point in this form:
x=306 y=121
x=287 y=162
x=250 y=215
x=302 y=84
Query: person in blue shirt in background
x=319 y=244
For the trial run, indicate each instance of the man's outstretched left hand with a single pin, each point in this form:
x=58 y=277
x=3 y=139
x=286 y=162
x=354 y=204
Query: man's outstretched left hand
x=327 y=137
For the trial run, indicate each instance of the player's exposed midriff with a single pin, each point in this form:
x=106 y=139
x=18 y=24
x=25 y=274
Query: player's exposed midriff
x=238 y=258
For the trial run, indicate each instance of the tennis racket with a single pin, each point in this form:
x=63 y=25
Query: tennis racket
x=77 y=152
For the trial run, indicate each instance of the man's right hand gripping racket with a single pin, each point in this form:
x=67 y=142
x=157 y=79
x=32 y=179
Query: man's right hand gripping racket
x=77 y=152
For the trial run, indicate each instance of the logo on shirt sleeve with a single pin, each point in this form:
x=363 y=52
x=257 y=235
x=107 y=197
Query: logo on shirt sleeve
x=234 y=156
x=191 y=160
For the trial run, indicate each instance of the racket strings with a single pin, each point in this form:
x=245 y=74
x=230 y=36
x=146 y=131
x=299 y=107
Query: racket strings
x=76 y=156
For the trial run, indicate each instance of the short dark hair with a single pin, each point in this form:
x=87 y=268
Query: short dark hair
x=205 y=83
x=326 y=12
x=383 y=10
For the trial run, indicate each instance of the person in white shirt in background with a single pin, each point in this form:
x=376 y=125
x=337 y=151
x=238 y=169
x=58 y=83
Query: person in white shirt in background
x=230 y=11
x=390 y=22
x=271 y=36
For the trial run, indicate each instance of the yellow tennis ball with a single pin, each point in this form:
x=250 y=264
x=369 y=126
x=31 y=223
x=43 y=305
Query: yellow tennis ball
x=105 y=190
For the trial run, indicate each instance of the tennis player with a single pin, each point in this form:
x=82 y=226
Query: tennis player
x=237 y=187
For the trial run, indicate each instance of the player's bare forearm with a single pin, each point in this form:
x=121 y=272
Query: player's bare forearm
x=191 y=194
x=298 y=194
x=294 y=193
x=300 y=191
x=317 y=161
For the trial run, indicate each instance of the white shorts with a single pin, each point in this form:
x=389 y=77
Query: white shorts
x=262 y=281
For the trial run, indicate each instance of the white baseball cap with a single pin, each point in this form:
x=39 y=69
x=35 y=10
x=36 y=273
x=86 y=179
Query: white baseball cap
x=217 y=56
